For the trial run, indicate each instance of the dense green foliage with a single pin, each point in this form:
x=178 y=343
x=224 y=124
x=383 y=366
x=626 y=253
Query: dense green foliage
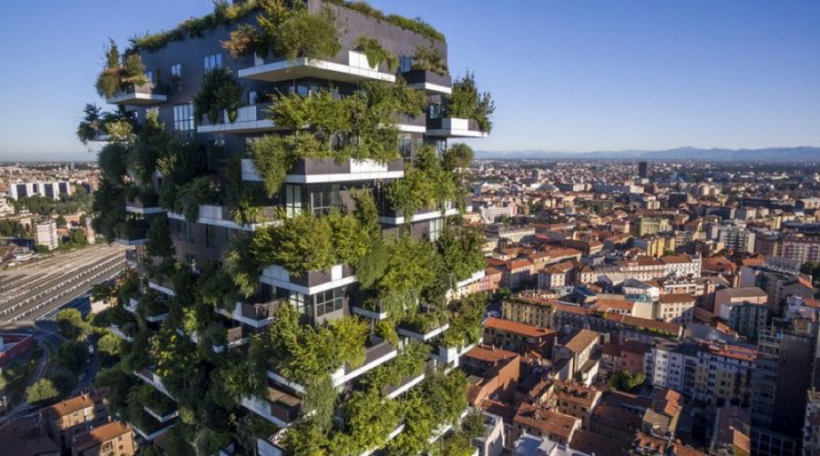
x=218 y=92
x=627 y=381
x=430 y=58
x=361 y=126
x=159 y=241
x=71 y=325
x=467 y=103
x=427 y=185
x=119 y=72
x=41 y=392
x=416 y=25
x=376 y=54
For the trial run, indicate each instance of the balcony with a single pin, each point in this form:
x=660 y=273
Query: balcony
x=329 y=170
x=450 y=355
x=452 y=127
x=373 y=314
x=311 y=282
x=256 y=315
x=396 y=217
x=144 y=95
x=411 y=124
x=122 y=333
x=249 y=119
x=221 y=216
x=377 y=353
x=149 y=377
x=278 y=406
x=347 y=66
x=132 y=233
x=423 y=334
x=432 y=83
x=392 y=392
x=144 y=205
x=153 y=432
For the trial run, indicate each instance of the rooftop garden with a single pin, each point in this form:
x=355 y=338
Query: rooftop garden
x=283 y=25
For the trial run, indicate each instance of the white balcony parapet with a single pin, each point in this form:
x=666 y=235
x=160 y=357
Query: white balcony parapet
x=371 y=314
x=426 y=336
x=283 y=381
x=365 y=169
x=277 y=276
x=160 y=418
x=247 y=121
x=131 y=306
x=357 y=69
x=259 y=407
x=456 y=128
x=341 y=376
x=118 y=332
x=162 y=289
x=156 y=434
x=432 y=215
x=157 y=318
x=154 y=381
x=407 y=386
x=238 y=316
x=213 y=215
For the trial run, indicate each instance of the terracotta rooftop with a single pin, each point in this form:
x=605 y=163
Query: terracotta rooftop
x=676 y=298
x=676 y=259
x=68 y=406
x=517 y=328
x=490 y=354
x=549 y=422
x=578 y=394
x=100 y=435
x=518 y=264
x=581 y=340
x=591 y=443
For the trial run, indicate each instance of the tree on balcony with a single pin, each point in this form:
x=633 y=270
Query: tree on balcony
x=375 y=52
x=430 y=58
x=466 y=102
x=119 y=72
x=218 y=92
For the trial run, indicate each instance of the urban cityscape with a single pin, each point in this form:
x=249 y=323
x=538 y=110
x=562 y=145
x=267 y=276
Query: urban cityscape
x=288 y=237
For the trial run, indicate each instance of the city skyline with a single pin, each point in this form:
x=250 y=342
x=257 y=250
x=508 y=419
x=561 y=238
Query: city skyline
x=589 y=76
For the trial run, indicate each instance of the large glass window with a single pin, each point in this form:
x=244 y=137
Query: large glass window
x=210 y=236
x=405 y=64
x=406 y=146
x=297 y=300
x=213 y=62
x=325 y=198
x=189 y=233
x=436 y=225
x=294 y=204
x=329 y=301
x=184 y=117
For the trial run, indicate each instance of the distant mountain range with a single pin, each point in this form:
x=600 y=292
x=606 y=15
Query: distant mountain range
x=772 y=154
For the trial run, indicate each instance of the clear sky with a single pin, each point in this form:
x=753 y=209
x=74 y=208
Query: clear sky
x=567 y=75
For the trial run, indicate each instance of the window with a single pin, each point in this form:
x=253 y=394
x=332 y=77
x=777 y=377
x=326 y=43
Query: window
x=189 y=233
x=184 y=117
x=406 y=147
x=297 y=300
x=436 y=226
x=210 y=236
x=253 y=98
x=149 y=75
x=293 y=200
x=405 y=64
x=325 y=198
x=176 y=71
x=213 y=61
x=329 y=301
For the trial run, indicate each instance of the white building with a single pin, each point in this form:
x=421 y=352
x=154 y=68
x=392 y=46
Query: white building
x=51 y=190
x=45 y=233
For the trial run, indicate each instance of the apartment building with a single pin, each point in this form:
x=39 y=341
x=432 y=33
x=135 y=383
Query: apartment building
x=575 y=400
x=45 y=234
x=682 y=265
x=50 y=190
x=406 y=97
x=800 y=248
x=66 y=420
x=112 y=439
x=675 y=308
x=558 y=275
x=518 y=337
x=531 y=311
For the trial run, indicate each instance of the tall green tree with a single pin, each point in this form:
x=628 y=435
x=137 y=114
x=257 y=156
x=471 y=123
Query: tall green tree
x=41 y=392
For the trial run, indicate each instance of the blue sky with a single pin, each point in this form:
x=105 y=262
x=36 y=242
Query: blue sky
x=569 y=75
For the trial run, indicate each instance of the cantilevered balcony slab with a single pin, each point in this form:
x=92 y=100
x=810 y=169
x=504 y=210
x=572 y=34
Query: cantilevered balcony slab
x=397 y=217
x=347 y=66
x=144 y=205
x=143 y=95
x=255 y=315
x=452 y=127
x=249 y=120
x=329 y=170
x=432 y=83
x=221 y=216
x=278 y=406
x=308 y=283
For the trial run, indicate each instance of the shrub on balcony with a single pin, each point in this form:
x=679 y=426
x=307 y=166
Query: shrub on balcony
x=426 y=185
x=119 y=72
x=430 y=58
x=415 y=25
x=467 y=103
x=409 y=363
x=305 y=34
x=218 y=92
x=409 y=269
x=376 y=54
x=192 y=195
x=217 y=289
x=306 y=242
x=159 y=242
x=461 y=253
x=465 y=325
x=422 y=322
x=369 y=419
